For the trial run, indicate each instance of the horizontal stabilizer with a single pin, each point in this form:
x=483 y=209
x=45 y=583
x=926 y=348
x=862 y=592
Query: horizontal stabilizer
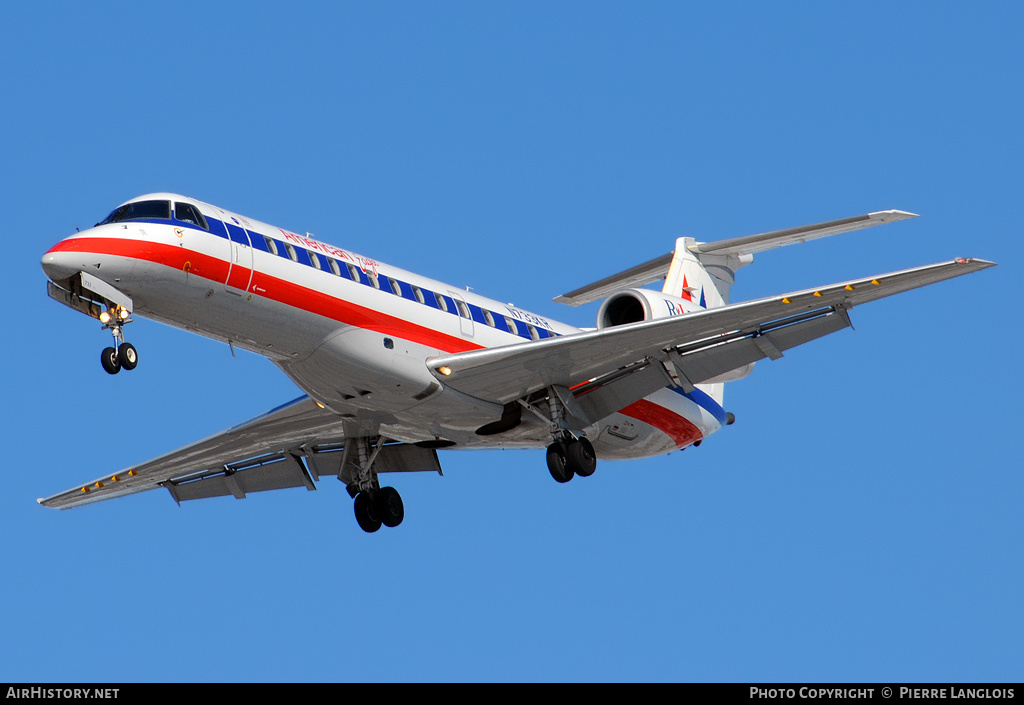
x=752 y=244
x=658 y=267
x=636 y=276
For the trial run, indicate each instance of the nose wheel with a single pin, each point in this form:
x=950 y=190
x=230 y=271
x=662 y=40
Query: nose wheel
x=122 y=355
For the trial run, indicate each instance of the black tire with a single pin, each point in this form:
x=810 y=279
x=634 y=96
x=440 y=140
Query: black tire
x=581 y=458
x=557 y=463
x=366 y=513
x=390 y=507
x=128 y=356
x=110 y=361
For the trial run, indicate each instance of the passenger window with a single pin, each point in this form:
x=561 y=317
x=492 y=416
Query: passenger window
x=291 y=252
x=315 y=260
x=533 y=332
x=187 y=213
x=488 y=318
x=441 y=303
x=418 y=293
x=271 y=245
x=353 y=272
x=463 y=309
x=511 y=326
x=395 y=287
x=334 y=266
x=373 y=280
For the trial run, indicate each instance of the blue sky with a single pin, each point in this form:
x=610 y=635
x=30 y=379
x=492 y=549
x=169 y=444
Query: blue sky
x=860 y=522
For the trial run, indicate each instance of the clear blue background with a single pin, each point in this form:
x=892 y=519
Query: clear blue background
x=860 y=522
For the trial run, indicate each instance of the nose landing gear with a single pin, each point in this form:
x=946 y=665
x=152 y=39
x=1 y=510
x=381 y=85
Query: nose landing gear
x=122 y=355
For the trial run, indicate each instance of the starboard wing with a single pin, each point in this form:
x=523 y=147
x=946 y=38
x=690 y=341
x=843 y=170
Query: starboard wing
x=685 y=350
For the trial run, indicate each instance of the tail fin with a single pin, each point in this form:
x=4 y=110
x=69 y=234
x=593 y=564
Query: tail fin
x=705 y=280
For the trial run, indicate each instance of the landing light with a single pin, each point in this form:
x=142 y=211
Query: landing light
x=105 y=317
x=123 y=313
x=445 y=370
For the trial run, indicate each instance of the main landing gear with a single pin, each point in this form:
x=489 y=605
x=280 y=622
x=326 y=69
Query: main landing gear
x=571 y=456
x=570 y=453
x=122 y=355
x=374 y=506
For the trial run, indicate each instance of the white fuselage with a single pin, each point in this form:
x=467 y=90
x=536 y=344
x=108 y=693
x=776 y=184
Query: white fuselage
x=352 y=332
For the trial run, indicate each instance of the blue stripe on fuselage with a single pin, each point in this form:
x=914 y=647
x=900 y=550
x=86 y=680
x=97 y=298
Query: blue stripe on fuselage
x=235 y=233
x=704 y=401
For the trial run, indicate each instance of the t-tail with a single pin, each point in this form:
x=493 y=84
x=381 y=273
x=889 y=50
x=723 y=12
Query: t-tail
x=699 y=275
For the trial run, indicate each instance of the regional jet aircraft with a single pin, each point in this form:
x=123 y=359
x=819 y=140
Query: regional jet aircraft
x=395 y=366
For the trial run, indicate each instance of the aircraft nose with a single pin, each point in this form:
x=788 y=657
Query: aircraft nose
x=59 y=263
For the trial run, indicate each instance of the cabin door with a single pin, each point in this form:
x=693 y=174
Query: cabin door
x=240 y=263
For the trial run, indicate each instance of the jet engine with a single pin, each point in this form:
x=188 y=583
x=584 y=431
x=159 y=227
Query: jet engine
x=635 y=305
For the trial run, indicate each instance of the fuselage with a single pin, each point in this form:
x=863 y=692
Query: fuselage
x=354 y=333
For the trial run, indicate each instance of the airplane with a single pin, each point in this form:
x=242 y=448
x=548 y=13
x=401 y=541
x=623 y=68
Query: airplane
x=395 y=366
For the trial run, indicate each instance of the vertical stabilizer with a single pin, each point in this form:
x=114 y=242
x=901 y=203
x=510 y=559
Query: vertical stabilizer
x=704 y=280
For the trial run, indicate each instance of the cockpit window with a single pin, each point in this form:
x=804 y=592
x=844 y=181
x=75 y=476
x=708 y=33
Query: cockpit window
x=188 y=213
x=140 y=210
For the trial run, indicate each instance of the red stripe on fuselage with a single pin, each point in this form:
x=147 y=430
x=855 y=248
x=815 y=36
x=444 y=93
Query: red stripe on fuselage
x=273 y=288
x=676 y=427
x=679 y=429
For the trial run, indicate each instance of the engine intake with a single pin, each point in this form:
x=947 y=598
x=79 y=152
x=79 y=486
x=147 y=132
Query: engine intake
x=635 y=305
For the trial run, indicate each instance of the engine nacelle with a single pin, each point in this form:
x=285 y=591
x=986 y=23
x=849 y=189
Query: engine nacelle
x=635 y=305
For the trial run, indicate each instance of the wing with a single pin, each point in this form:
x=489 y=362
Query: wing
x=286 y=447
x=625 y=363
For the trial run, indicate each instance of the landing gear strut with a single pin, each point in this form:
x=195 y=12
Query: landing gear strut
x=570 y=453
x=122 y=355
